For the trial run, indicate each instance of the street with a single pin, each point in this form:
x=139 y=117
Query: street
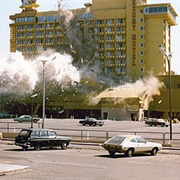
x=87 y=164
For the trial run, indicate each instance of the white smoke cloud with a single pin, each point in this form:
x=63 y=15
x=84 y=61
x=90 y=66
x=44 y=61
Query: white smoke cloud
x=68 y=15
x=20 y=76
x=143 y=89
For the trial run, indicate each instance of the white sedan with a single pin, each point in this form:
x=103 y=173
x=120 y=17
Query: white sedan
x=130 y=144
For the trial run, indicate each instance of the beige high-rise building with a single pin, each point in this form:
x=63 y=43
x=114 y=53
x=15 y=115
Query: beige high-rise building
x=125 y=37
x=127 y=33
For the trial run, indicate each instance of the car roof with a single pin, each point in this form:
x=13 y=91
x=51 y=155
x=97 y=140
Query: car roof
x=129 y=136
x=35 y=129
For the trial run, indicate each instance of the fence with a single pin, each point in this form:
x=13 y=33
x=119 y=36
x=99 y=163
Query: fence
x=97 y=136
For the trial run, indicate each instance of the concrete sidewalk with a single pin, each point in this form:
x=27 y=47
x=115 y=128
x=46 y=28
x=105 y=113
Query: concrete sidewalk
x=5 y=168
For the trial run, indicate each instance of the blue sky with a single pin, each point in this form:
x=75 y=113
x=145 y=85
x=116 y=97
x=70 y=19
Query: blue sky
x=10 y=7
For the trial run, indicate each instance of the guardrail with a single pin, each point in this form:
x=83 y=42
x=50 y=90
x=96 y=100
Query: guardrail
x=99 y=136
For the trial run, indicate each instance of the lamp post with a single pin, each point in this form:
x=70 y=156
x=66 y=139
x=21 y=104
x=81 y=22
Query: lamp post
x=44 y=92
x=32 y=111
x=168 y=57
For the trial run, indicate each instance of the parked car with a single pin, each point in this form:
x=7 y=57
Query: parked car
x=26 y=118
x=91 y=122
x=4 y=115
x=129 y=145
x=39 y=138
x=157 y=122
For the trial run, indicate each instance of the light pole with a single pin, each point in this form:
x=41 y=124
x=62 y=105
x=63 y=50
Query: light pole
x=32 y=111
x=168 y=57
x=44 y=92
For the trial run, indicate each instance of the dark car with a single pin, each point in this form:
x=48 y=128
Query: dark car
x=91 y=122
x=39 y=138
x=157 y=122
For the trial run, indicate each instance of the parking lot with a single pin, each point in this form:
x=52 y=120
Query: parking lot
x=89 y=163
x=84 y=161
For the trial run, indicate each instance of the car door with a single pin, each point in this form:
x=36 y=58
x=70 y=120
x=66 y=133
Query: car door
x=52 y=139
x=43 y=138
x=141 y=145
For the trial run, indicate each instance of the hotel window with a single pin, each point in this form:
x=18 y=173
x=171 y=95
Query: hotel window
x=39 y=41
x=119 y=29
x=108 y=29
x=48 y=33
x=118 y=37
x=39 y=33
x=118 y=61
x=119 y=53
x=142 y=36
x=142 y=44
x=108 y=53
x=142 y=53
x=119 y=21
x=108 y=61
x=97 y=30
x=98 y=22
x=142 y=20
x=108 y=21
x=40 y=18
x=108 y=46
x=118 y=69
x=48 y=25
x=49 y=18
x=39 y=26
x=141 y=11
x=142 y=28
x=29 y=41
x=142 y=69
x=20 y=42
x=20 y=34
x=119 y=45
x=29 y=34
x=20 y=27
x=29 y=26
x=108 y=37
x=142 y=61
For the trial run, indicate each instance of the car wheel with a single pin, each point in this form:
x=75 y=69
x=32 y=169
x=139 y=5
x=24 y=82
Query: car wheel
x=35 y=120
x=84 y=124
x=112 y=153
x=154 y=151
x=20 y=121
x=64 y=145
x=37 y=146
x=162 y=125
x=129 y=152
x=94 y=124
x=24 y=148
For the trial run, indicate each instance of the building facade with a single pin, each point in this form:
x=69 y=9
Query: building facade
x=126 y=34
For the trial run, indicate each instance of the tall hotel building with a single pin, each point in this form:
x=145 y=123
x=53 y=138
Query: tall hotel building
x=127 y=34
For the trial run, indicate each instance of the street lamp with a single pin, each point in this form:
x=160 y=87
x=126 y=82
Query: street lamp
x=44 y=92
x=32 y=111
x=168 y=57
x=44 y=89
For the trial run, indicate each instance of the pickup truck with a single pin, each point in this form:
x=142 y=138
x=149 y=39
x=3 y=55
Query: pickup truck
x=39 y=138
x=91 y=122
x=26 y=118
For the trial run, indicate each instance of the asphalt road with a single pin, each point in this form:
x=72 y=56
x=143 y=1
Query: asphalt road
x=77 y=163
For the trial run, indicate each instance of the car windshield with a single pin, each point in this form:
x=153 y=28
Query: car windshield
x=116 y=140
x=24 y=133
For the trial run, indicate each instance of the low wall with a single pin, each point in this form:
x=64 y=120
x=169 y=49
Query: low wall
x=9 y=135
